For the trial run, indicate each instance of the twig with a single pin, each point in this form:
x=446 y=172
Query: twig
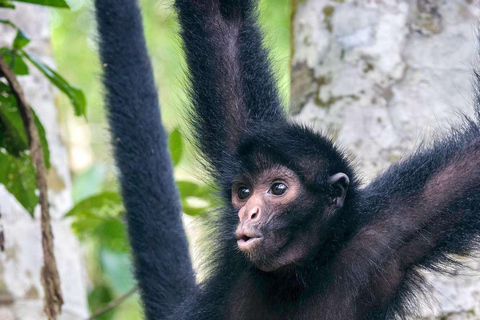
x=112 y=304
x=50 y=279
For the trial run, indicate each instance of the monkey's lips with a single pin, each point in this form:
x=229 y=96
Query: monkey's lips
x=246 y=240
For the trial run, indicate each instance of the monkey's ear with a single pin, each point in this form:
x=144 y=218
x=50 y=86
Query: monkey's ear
x=339 y=183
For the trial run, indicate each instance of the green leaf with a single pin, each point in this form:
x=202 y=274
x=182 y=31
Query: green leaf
x=6 y=4
x=77 y=98
x=12 y=131
x=19 y=66
x=192 y=189
x=187 y=188
x=49 y=3
x=193 y=211
x=106 y=204
x=175 y=144
x=109 y=232
x=18 y=176
x=15 y=62
x=21 y=40
x=99 y=218
x=206 y=192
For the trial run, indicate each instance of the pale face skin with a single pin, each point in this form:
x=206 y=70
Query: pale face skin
x=264 y=233
x=258 y=202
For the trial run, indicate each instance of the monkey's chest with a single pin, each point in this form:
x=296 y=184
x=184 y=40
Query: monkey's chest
x=249 y=301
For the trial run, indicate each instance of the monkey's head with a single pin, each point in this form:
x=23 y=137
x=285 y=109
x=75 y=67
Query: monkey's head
x=288 y=193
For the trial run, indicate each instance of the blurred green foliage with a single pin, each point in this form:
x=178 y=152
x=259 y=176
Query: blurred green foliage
x=98 y=212
x=98 y=222
x=18 y=174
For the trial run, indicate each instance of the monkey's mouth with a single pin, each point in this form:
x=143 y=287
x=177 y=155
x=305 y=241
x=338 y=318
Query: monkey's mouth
x=247 y=240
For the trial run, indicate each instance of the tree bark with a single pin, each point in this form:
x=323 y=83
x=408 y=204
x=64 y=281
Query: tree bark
x=21 y=291
x=381 y=77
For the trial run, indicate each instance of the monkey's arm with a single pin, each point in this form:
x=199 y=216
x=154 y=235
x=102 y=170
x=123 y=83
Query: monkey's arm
x=415 y=215
x=232 y=85
x=162 y=263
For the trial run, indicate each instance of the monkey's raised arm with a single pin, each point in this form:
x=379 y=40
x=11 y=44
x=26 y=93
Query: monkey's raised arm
x=415 y=215
x=162 y=263
x=231 y=81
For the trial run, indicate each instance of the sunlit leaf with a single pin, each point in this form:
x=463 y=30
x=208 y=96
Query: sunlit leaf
x=192 y=189
x=21 y=40
x=194 y=211
x=194 y=206
x=106 y=204
x=205 y=191
x=100 y=217
x=85 y=224
x=49 y=3
x=112 y=235
x=18 y=176
x=77 y=98
x=175 y=144
x=187 y=188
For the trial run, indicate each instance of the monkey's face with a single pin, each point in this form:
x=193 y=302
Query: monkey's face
x=279 y=219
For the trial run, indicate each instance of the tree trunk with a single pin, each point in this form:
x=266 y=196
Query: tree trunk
x=380 y=76
x=21 y=292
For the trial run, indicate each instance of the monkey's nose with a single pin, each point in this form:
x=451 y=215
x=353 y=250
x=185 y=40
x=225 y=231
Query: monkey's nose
x=250 y=213
x=253 y=214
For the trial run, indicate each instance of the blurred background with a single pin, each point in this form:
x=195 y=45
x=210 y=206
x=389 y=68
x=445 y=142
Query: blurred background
x=379 y=77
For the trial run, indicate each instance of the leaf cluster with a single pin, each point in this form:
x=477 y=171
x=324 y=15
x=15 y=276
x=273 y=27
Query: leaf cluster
x=17 y=172
x=98 y=222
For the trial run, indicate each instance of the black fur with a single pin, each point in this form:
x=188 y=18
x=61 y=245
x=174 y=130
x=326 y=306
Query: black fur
x=414 y=216
x=223 y=49
x=162 y=263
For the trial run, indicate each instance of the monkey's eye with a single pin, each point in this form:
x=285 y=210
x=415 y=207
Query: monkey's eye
x=278 y=189
x=243 y=193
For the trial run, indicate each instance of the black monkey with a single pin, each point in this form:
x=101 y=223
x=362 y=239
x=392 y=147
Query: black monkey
x=150 y=197
x=297 y=237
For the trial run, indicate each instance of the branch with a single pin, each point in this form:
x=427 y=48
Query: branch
x=112 y=304
x=50 y=279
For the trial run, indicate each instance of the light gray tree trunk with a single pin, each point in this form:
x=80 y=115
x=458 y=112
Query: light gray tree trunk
x=380 y=76
x=21 y=292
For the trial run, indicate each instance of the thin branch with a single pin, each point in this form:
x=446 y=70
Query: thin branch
x=112 y=304
x=50 y=279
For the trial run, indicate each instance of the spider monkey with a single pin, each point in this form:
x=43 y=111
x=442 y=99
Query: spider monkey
x=298 y=236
